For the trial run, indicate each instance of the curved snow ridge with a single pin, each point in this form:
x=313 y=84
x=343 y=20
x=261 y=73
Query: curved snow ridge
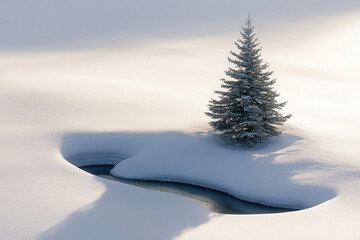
x=269 y=176
x=284 y=205
x=282 y=198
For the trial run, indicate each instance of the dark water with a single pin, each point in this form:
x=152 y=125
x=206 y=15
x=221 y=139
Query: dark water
x=213 y=200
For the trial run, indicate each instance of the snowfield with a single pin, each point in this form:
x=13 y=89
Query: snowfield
x=145 y=102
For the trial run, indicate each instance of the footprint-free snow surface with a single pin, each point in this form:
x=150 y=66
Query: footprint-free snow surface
x=133 y=78
x=213 y=200
x=197 y=159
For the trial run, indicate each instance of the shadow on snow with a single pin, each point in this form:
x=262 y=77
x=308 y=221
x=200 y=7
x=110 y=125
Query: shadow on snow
x=126 y=212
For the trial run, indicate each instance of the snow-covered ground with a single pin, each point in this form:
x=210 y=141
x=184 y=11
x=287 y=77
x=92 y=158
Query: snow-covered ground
x=269 y=176
x=145 y=101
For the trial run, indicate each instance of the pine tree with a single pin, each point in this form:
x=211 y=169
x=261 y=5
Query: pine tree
x=247 y=110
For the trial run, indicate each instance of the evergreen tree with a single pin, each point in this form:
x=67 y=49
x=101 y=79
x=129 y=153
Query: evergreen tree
x=247 y=111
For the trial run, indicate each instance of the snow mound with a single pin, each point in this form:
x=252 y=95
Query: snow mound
x=267 y=175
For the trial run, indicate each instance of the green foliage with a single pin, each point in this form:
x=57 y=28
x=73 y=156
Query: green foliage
x=246 y=112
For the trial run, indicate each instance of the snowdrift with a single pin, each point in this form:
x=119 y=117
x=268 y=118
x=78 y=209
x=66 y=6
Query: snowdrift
x=266 y=175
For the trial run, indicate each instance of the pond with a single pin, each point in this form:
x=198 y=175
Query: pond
x=213 y=200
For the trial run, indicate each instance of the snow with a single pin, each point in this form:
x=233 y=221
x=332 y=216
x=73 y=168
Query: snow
x=261 y=176
x=145 y=102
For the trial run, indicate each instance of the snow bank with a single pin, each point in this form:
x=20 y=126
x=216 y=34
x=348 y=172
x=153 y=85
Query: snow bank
x=50 y=97
x=254 y=175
